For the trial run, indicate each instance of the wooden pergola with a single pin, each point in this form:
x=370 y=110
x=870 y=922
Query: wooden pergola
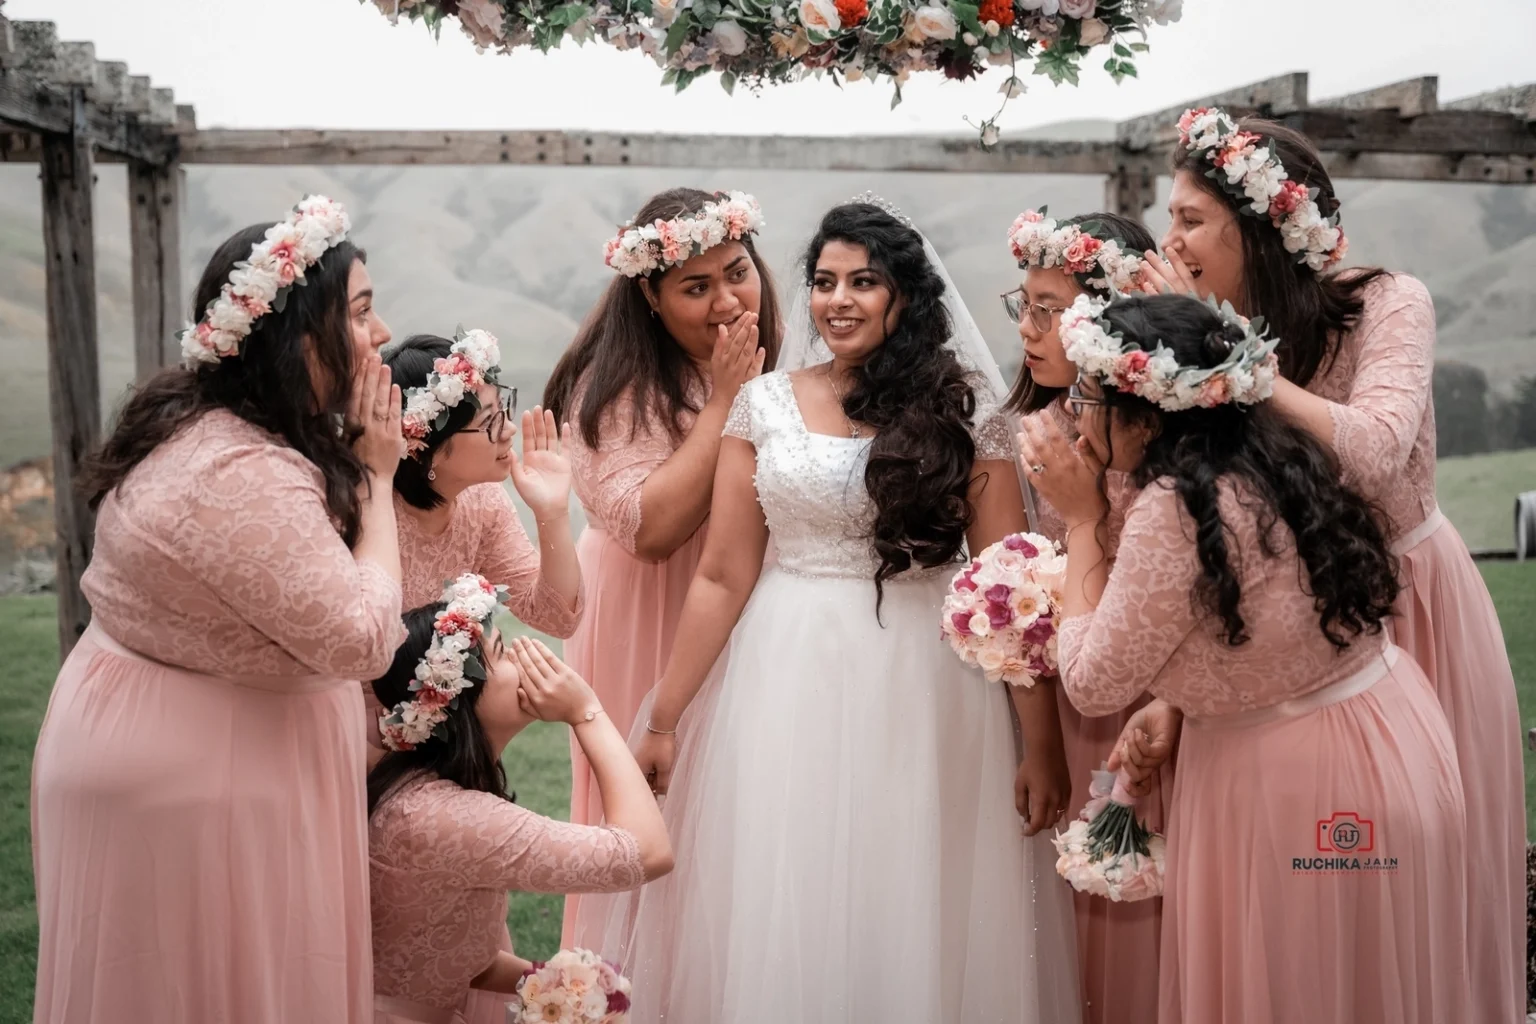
x=64 y=109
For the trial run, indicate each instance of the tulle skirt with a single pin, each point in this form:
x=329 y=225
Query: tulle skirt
x=846 y=840
x=1316 y=866
x=1446 y=620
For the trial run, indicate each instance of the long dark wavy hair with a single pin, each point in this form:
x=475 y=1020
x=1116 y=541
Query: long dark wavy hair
x=1281 y=472
x=1305 y=309
x=623 y=345
x=1026 y=396
x=268 y=384
x=917 y=396
x=465 y=756
x=410 y=362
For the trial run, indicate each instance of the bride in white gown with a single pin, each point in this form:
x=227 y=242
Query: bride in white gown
x=845 y=797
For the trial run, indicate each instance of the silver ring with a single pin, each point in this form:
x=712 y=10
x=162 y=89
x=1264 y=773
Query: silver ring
x=1037 y=468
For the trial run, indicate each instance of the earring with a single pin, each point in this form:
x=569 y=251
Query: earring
x=653 y=314
x=431 y=474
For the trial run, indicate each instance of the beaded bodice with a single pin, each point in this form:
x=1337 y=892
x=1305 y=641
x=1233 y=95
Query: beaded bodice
x=811 y=486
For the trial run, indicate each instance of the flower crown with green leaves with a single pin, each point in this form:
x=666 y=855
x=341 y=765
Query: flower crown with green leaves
x=1036 y=241
x=474 y=359
x=641 y=249
x=1244 y=377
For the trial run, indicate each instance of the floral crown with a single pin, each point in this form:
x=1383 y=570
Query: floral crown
x=641 y=249
x=474 y=359
x=1037 y=242
x=448 y=668
x=1245 y=376
x=1247 y=170
x=260 y=283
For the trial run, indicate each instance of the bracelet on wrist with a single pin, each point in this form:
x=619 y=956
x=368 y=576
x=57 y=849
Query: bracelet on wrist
x=659 y=732
x=587 y=716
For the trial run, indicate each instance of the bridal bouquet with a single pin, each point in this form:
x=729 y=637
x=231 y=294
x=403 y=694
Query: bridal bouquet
x=576 y=986
x=1107 y=851
x=1002 y=610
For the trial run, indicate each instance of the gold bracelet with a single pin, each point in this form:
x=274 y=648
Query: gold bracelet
x=588 y=717
x=659 y=732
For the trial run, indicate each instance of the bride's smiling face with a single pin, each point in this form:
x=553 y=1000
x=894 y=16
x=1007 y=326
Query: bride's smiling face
x=853 y=304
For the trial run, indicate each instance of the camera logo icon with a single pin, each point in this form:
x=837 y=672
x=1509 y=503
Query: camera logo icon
x=1346 y=832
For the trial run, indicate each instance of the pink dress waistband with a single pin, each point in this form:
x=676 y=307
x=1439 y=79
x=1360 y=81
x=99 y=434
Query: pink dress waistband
x=1419 y=534
x=275 y=684
x=394 y=1006
x=1334 y=693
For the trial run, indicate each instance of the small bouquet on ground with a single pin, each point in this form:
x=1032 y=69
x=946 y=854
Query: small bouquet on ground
x=1107 y=851
x=576 y=986
x=1002 y=610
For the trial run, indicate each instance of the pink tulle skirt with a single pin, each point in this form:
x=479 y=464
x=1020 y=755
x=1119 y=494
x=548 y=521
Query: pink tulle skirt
x=1446 y=620
x=1316 y=864
x=621 y=647
x=200 y=846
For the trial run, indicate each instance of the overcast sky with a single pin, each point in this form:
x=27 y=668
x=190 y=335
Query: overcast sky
x=339 y=64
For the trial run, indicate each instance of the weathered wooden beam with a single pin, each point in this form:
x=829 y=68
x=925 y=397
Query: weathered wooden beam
x=9 y=55
x=1519 y=100
x=75 y=64
x=162 y=108
x=136 y=95
x=154 y=230
x=27 y=105
x=111 y=84
x=74 y=386
x=1271 y=97
x=1451 y=132
x=1132 y=188
x=1410 y=98
x=36 y=43
x=1470 y=168
x=186 y=118
x=298 y=147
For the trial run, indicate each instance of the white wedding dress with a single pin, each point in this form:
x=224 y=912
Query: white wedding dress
x=847 y=846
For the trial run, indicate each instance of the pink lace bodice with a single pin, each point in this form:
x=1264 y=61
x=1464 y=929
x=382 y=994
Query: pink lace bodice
x=1117 y=487
x=218 y=555
x=485 y=536
x=608 y=478
x=441 y=861
x=1145 y=634
x=1383 y=412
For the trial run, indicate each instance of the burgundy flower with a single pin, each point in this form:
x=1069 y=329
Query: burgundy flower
x=1016 y=542
x=958 y=64
x=962 y=623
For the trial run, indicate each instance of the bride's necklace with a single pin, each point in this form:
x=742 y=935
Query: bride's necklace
x=837 y=392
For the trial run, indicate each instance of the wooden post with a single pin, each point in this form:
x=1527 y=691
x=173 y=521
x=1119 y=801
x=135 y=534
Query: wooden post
x=74 y=384
x=154 y=227
x=1131 y=188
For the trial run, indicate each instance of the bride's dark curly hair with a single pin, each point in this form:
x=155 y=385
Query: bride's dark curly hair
x=915 y=393
x=1282 y=474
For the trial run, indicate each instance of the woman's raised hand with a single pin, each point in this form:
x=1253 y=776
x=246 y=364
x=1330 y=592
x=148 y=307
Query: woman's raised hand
x=736 y=358
x=374 y=407
x=1065 y=472
x=1161 y=275
x=543 y=475
x=550 y=690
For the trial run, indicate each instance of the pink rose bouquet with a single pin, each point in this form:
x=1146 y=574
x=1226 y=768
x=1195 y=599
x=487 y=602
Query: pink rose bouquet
x=1107 y=851
x=1002 y=610
x=576 y=986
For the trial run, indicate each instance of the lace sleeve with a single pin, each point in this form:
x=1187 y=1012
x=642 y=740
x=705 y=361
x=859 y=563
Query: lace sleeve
x=508 y=556
x=258 y=534
x=1111 y=656
x=739 y=422
x=612 y=475
x=496 y=844
x=994 y=438
x=1375 y=429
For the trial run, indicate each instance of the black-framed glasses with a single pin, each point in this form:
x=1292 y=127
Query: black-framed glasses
x=1039 y=315
x=1077 y=401
x=506 y=408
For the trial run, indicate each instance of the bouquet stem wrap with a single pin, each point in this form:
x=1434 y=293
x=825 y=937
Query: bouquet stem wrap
x=1108 y=851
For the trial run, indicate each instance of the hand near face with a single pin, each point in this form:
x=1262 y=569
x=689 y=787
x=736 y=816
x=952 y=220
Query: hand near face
x=1066 y=473
x=543 y=475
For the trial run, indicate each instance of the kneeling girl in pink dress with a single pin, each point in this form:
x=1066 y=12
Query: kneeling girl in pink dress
x=1315 y=836
x=445 y=840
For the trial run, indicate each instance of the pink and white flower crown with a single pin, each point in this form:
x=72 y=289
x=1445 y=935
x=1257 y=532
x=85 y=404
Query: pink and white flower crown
x=1248 y=171
x=1245 y=377
x=450 y=665
x=474 y=359
x=1036 y=241
x=260 y=283
x=641 y=249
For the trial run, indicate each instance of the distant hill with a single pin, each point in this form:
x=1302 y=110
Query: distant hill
x=517 y=250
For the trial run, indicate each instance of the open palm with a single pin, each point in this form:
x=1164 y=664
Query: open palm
x=543 y=475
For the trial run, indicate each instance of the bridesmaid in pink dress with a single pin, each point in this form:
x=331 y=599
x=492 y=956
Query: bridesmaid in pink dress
x=1316 y=832
x=1358 y=356
x=198 y=803
x=647 y=386
x=1117 y=943
x=446 y=843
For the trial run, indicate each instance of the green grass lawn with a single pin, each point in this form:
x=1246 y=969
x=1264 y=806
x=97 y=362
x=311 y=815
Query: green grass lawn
x=538 y=767
x=1477 y=493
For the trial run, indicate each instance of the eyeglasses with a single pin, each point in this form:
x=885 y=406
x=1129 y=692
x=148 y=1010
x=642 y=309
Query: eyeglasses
x=497 y=424
x=1077 y=401
x=1039 y=315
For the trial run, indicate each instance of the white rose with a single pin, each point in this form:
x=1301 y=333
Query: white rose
x=449 y=390
x=730 y=37
x=1093 y=32
x=936 y=23
x=991 y=661
x=990 y=135
x=980 y=625
x=1078 y=9
x=992 y=28
x=970 y=40
x=820 y=16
